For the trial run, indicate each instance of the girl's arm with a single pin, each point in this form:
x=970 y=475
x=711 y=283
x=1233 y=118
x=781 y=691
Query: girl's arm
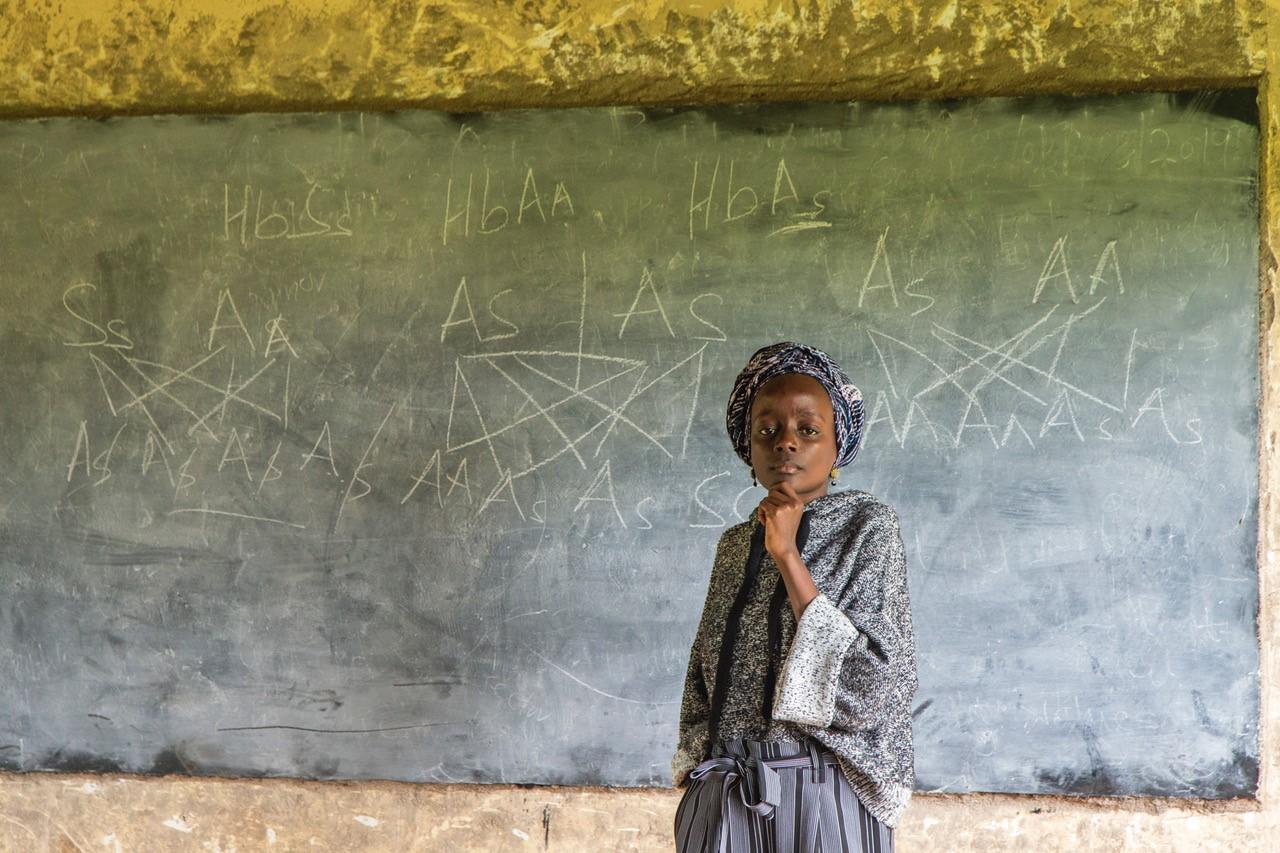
x=695 y=702
x=695 y=712
x=850 y=656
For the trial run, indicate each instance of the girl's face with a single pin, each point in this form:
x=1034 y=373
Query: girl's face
x=793 y=434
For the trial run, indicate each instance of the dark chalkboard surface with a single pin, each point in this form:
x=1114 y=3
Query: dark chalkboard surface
x=392 y=446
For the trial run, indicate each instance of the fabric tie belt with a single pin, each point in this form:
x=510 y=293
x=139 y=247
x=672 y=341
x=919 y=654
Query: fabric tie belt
x=752 y=782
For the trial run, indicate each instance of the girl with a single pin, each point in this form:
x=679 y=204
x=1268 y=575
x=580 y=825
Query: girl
x=811 y=749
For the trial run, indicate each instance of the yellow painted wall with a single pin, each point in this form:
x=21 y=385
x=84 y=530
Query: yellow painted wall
x=87 y=57
x=99 y=55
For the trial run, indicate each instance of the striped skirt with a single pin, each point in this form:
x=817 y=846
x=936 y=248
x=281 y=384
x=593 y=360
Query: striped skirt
x=774 y=797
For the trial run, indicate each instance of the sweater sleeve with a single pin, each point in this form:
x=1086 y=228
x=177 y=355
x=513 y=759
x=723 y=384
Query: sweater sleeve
x=695 y=702
x=695 y=711
x=847 y=655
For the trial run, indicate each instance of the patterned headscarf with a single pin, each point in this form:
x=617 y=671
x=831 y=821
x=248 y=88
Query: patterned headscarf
x=789 y=357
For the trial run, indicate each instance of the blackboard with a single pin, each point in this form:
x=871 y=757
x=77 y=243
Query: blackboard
x=392 y=445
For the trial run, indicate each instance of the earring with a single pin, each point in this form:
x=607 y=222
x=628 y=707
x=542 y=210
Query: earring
x=753 y=477
x=835 y=472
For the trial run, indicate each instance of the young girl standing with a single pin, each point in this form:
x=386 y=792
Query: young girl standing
x=809 y=748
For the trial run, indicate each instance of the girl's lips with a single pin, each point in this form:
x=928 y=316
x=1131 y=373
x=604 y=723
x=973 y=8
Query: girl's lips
x=786 y=468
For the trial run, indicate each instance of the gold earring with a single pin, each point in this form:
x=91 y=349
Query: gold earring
x=835 y=472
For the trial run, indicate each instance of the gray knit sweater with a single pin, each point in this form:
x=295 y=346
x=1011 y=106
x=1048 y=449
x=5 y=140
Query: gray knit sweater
x=847 y=676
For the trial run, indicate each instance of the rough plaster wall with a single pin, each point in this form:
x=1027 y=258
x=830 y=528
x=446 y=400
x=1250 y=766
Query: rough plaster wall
x=78 y=56
x=88 y=55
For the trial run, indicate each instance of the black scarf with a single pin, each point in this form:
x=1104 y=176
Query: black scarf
x=725 y=664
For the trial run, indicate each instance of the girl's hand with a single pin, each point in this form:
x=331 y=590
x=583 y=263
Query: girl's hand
x=780 y=513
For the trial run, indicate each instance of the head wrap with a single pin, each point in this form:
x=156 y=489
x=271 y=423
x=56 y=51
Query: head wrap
x=790 y=357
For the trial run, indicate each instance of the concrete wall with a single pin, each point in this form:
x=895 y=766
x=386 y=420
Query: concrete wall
x=100 y=56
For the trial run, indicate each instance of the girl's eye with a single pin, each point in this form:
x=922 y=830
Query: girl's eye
x=766 y=430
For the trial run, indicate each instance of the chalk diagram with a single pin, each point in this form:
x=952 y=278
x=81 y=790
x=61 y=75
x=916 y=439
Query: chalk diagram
x=569 y=403
x=521 y=409
x=993 y=363
x=163 y=378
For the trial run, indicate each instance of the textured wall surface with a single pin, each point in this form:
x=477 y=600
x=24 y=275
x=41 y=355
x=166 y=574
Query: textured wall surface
x=82 y=57
x=86 y=56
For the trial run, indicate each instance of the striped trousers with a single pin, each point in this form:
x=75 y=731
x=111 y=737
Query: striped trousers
x=774 y=797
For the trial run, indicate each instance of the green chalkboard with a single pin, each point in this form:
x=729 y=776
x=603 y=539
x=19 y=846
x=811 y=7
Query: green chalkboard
x=392 y=445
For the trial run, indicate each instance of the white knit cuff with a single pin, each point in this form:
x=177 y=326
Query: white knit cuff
x=806 y=691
